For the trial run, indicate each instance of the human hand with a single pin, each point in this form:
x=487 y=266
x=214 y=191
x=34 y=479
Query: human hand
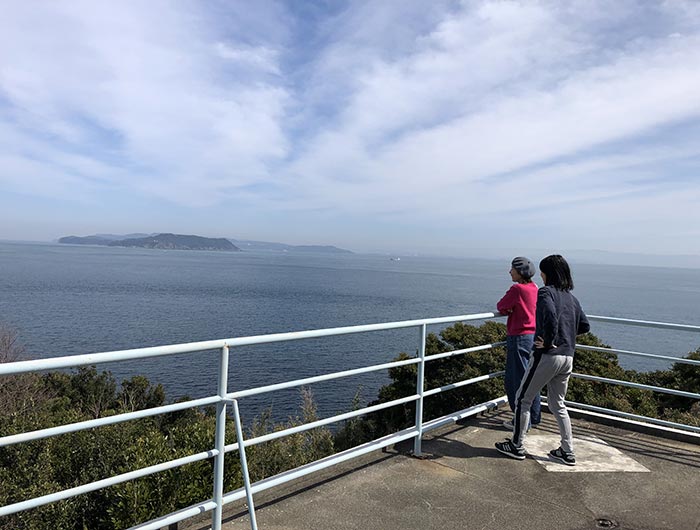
x=539 y=343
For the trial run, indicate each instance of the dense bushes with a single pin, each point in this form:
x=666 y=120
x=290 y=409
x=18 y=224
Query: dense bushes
x=448 y=370
x=57 y=463
x=30 y=402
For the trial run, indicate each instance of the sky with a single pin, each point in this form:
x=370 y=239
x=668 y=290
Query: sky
x=441 y=127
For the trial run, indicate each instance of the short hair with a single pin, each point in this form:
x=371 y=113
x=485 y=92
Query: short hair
x=557 y=272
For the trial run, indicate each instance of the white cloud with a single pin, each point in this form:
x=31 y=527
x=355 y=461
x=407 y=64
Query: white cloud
x=384 y=110
x=144 y=79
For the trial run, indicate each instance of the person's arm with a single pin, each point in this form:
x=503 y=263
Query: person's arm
x=583 y=325
x=547 y=319
x=506 y=304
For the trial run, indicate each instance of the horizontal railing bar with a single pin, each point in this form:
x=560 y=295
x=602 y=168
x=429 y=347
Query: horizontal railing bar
x=466 y=382
x=329 y=461
x=316 y=379
x=107 y=420
x=86 y=359
x=176 y=517
x=464 y=413
x=645 y=419
x=639 y=354
x=461 y=352
x=411 y=432
x=644 y=323
x=660 y=389
x=320 y=423
x=104 y=483
x=53 y=363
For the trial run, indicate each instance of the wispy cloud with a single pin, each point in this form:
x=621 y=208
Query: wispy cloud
x=457 y=115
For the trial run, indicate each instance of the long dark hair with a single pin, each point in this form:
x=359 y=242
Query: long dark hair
x=557 y=272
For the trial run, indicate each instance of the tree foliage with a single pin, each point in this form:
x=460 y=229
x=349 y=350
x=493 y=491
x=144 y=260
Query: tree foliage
x=33 y=401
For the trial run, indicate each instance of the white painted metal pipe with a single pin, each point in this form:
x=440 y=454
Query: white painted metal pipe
x=636 y=385
x=220 y=440
x=176 y=517
x=244 y=466
x=92 y=486
x=329 y=461
x=54 y=363
x=644 y=323
x=466 y=382
x=465 y=350
x=639 y=354
x=644 y=419
x=320 y=423
x=107 y=420
x=318 y=379
x=420 y=390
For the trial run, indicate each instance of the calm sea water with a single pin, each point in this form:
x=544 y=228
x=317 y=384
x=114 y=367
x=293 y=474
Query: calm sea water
x=67 y=300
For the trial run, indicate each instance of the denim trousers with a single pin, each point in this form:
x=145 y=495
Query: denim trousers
x=518 y=351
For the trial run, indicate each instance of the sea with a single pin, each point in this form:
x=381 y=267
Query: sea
x=72 y=299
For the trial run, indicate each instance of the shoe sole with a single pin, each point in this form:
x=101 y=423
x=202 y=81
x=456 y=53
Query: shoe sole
x=562 y=461
x=507 y=453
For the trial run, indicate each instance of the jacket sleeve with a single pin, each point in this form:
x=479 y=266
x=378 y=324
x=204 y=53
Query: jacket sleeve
x=508 y=301
x=583 y=324
x=547 y=318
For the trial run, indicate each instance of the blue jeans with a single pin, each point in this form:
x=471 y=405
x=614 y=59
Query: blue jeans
x=518 y=349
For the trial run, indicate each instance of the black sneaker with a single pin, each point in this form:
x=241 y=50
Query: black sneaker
x=560 y=456
x=507 y=448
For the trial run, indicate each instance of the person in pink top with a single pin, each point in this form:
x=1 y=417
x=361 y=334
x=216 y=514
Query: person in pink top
x=519 y=304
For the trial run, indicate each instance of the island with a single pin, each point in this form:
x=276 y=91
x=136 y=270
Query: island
x=185 y=242
x=158 y=241
x=267 y=246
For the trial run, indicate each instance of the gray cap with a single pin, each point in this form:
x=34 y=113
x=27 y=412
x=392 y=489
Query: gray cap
x=524 y=266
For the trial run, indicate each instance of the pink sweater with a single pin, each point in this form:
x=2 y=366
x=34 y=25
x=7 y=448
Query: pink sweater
x=519 y=303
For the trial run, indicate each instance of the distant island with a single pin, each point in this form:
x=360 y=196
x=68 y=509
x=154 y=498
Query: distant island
x=184 y=242
x=281 y=247
x=157 y=241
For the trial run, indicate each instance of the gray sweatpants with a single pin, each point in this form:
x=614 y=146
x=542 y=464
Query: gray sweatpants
x=554 y=372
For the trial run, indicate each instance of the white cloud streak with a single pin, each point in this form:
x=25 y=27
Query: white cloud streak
x=468 y=112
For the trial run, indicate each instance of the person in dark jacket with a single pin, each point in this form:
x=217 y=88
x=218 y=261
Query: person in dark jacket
x=559 y=318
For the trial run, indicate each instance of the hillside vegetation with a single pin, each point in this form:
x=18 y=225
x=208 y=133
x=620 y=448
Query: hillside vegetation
x=37 y=401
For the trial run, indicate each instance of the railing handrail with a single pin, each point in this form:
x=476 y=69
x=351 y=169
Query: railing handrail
x=223 y=398
x=72 y=361
x=645 y=323
x=86 y=359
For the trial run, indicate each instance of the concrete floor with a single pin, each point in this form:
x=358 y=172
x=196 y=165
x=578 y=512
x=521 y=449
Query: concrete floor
x=623 y=479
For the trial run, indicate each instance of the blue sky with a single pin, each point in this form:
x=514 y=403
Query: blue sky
x=456 y=128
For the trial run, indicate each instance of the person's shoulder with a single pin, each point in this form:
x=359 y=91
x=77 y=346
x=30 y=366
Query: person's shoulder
x=545 y=290
x=526 y=288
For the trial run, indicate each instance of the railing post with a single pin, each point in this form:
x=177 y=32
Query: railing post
x=420 y=384
x=244 y=466
x=220 y=441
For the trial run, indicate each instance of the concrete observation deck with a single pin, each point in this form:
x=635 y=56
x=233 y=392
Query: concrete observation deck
x=623 y=479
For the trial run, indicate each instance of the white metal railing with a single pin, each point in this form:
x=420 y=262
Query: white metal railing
x=597 y=411
x=222 y=399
